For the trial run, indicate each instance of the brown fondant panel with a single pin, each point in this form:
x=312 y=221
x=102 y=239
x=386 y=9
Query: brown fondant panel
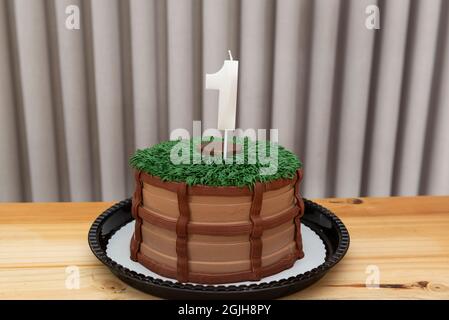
x=277 y=241
x=193 y=236
x=274 y=205
x=163 y=243
x=165 y=203
x=167 y=194
x=217 y=228
x=214 y=238
x=194 y=266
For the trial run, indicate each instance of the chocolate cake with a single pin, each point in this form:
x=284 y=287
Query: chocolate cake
x=216 y=223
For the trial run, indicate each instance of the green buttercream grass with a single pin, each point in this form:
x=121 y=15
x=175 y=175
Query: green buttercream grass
x=213 y=171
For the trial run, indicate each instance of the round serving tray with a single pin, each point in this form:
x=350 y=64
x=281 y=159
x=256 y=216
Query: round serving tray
x=327 y=226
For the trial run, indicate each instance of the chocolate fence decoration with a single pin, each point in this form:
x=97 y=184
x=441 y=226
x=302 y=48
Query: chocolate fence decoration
x=183 y=227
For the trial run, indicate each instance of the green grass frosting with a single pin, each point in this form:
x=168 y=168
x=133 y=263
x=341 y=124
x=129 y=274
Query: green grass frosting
x=213 y=171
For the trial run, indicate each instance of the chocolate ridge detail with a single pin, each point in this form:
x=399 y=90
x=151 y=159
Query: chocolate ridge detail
x=182 y=234
x=256 y=231
x=203 y=190
x=209 y=278
x=213 y=229
x=297 y=220
x=136 y=204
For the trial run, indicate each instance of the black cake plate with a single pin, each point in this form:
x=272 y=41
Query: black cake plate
x=326 y=225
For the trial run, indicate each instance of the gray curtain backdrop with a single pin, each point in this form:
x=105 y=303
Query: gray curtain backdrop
x=367 y=111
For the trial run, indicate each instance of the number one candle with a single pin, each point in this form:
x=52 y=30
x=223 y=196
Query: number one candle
x=225 y=81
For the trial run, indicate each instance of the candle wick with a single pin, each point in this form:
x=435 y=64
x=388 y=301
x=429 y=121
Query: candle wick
x=230 y=55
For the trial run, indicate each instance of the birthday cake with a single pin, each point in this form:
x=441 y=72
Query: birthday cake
x=205 y=218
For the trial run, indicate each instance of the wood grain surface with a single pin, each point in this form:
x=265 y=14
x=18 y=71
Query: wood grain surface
x=405 y=239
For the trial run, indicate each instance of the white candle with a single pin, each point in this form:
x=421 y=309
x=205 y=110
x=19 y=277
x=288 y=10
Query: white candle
x=225 y=81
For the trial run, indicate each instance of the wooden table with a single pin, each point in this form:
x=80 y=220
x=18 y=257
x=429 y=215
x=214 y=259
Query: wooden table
x=43 y=245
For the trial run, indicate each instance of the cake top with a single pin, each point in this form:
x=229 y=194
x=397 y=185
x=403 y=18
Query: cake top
x=242 y=169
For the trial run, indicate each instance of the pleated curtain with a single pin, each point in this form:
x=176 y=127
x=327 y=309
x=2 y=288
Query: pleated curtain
x=366 y=110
